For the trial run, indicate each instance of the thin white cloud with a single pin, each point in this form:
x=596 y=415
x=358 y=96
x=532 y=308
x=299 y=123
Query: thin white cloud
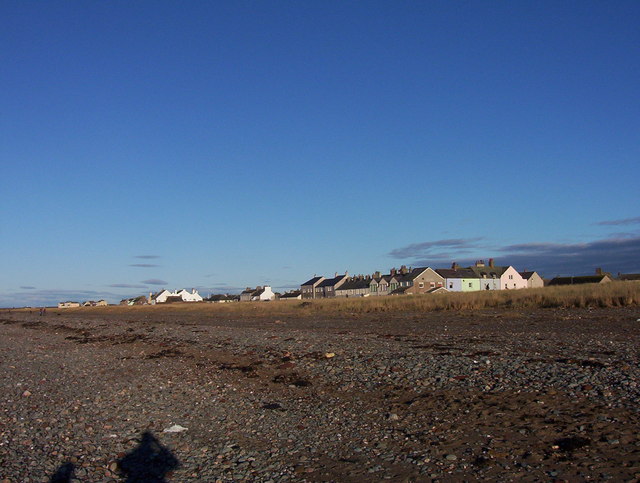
x=126 y=285
x=154 y=281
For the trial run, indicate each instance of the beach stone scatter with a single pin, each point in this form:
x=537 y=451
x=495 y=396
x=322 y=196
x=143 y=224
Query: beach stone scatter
x=534 y=395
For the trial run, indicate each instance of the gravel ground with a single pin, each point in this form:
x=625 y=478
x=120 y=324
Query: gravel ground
x=540 y=395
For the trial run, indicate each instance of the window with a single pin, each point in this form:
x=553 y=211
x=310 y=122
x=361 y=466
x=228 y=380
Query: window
x=432 y=284
x=510 y=277
x=450 y=285
x=421 y=284
x=470 y=284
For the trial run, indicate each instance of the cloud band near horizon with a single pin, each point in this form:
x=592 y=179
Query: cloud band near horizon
x=550 y=259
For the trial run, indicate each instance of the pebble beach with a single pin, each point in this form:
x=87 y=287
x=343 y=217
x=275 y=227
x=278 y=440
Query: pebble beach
x=494 y=395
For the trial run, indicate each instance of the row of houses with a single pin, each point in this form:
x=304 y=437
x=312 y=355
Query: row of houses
x=400 y=281
x=405 y=281
x=88 y=303
x=164 y=296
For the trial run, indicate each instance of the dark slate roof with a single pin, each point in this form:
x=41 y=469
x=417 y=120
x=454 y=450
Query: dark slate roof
x=488 y=272
x=330 y=282
x=456 y=273
x=155 y=295
x=399 y=290
x=526 y=275
x=312 y=281
x=294 y=294
x=417 y=271
x=173 y=298
x=406 y=277
x=577 y=280
x=629 y=276
x=354 y=284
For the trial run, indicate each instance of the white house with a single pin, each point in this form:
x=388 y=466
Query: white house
x=511 y=280
x=264 y=295
x=67 y=305
x=533 y=279
x=192 y=296
x=260 y=294
x=161 y=297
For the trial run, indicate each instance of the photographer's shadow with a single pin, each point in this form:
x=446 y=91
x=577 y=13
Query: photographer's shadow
x=148 y=462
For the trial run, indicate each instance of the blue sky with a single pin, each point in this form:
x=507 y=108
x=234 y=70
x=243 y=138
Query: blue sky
x=220 y=145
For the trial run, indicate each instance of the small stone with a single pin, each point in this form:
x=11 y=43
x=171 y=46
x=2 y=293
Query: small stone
x=451 y=457
x=176 y=428
x=393 y=417
x=329 y=355
x=26 y=394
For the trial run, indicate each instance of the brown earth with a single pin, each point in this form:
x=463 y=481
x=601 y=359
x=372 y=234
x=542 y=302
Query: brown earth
x=535 y=395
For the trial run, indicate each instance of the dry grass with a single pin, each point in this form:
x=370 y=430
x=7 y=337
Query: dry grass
x=615 y=294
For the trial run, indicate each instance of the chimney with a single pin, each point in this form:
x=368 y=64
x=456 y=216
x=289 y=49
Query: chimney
x=376 y=275
x=480 y=263
x=454 y=266
x=392 y=271
x=403 y=269
x=491 y=262
x=335 y=275
x=598 y=271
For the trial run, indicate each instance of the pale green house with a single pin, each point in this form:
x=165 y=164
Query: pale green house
x=459 y=279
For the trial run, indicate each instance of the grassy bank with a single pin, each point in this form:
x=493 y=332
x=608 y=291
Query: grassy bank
x=615 y=294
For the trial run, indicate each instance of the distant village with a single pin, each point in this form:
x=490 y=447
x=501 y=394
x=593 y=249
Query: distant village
x=402 y=281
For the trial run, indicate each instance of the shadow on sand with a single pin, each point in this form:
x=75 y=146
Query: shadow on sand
x=64 y=474
x=148 y=462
